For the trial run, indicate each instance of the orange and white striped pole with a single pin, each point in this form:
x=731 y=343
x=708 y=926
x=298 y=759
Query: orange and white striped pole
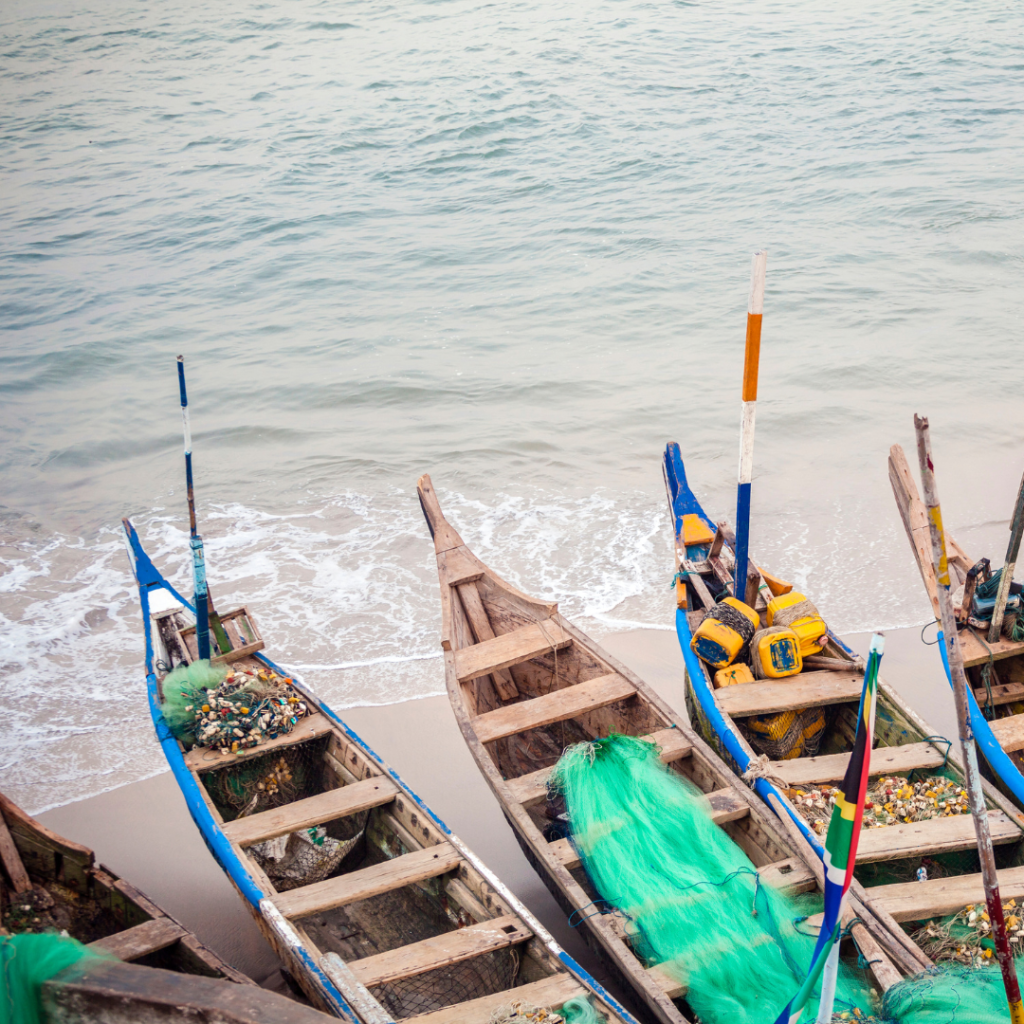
x=751 y=358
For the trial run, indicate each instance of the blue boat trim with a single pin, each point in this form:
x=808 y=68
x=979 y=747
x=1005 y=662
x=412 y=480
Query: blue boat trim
x=998 y=759
x=148 y=577
x=685 y=502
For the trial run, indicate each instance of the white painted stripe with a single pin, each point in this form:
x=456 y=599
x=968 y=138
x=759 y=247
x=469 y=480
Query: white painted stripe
x=837 y=876
x=188 y=429
x=747 y=443
x=755 y=303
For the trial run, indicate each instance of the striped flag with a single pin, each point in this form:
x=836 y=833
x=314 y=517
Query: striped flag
x=842 y=839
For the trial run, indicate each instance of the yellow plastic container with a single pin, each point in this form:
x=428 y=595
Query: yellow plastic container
x=776 y=604
x=779 y=654
x=732 y=675
x=813 y=634
x=718 y=644
x=810 y=629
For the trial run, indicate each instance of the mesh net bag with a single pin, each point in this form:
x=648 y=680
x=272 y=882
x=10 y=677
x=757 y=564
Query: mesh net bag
x=786 y=735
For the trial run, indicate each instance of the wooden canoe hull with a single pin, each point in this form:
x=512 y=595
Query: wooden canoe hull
x=572 y=691
x=411 y=852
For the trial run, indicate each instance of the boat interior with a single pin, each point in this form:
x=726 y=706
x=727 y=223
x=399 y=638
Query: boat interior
x=361 y=871
x=917 y=867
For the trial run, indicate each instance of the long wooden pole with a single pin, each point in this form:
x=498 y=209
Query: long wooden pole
x=1006 y=577
x=195 y=541
x=986 y=854
x=751 y=358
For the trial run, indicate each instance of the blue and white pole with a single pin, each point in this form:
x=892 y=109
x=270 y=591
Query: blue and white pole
x=196 y=542
x=752 y=355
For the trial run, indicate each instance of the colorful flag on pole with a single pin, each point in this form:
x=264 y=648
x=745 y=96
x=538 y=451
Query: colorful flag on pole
x=843 y=834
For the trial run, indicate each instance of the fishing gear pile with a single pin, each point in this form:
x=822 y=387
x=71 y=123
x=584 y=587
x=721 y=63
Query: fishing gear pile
x=891 y=800
x=966 y=936
x=697 y=908
x=579 y=1010
x=208 y=705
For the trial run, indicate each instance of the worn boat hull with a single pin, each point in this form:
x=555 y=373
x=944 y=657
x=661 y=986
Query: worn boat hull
x=420 y=878
x=890 y=856
x=524 y=683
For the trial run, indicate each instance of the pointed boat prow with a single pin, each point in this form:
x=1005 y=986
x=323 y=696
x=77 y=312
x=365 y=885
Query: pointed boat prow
x=444 y=534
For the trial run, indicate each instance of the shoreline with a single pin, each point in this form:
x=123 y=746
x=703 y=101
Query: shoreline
x=143 y=831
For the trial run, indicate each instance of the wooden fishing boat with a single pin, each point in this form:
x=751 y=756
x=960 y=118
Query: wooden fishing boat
x=155 y=964
x=57 y=885
x=524 y=683
x=889 y=858
x=995 y=671
x=401 y=921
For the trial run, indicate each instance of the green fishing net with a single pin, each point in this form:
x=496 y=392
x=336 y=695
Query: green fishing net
x=182 y=688
x=26 y=961
x=696 y=904
x=579 y=1010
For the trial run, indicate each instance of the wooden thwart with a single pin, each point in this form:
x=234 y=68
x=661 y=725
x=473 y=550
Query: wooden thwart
x=803 y=771
x=141 y=940
x=1007 y=693
x=371 y=881
x=936 y=835
x=12 y=860
x=672 y=988
x=809 y=689
x=314 y=810
x=1009 y=732
x=552 y=707
x=916 y=901
x=481 y=624
x=203 y=759
x=510 y=649
x=552 y=991
x=791 y=875
x=440 y=950
x=532 y=788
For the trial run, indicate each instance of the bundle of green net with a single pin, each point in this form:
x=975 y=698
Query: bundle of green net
x=650 y=848
x=26 y=962
x=183 y=689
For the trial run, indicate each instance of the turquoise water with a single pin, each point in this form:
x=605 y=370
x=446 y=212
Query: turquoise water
x=508 y=245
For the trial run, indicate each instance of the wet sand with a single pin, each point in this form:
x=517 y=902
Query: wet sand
x=143 y=830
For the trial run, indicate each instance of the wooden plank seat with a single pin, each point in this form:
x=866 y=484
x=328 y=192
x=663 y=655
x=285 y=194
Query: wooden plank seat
x=1009 y=732
x=803 y=771
x=1004 y=693
x=510 y=649
x=556 y=706
x=806 y=690
x=531 y=789
x=314 y=810
x=203 y=759
x=916 y=901
x=440 y=950
x=672 y=988
x=145 y=938
x=367 y=882
x=936 y=835
x=791 y=875
x=725 y=804
x=976 y=652
x=551 y=991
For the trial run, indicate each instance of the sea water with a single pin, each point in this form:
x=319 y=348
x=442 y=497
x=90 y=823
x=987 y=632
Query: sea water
x=508 y=245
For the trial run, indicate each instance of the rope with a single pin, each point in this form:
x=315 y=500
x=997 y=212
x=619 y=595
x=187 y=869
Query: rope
x=761 y=768
x=929 y=643
x=989 y=710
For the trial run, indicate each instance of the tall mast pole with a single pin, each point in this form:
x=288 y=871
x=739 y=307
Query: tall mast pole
x=949 y=637
x=751 y=357
x=195 y=541
x=1006 y=576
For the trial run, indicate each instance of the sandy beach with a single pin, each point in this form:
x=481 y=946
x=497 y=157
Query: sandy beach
x=143 y=830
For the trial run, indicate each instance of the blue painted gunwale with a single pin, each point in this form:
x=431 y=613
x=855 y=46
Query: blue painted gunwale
x=149 y=579
x=684 y=502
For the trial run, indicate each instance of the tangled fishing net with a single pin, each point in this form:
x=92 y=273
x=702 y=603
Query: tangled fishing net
x=213 y=706
x=579 y=1010
x=697 y=907
x=891 y=800
x=26 y=962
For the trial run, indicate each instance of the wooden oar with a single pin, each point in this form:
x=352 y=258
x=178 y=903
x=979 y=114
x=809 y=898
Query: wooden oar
x=206 y=616
x=1006 y=577
x=751 y=357
x=986 y=853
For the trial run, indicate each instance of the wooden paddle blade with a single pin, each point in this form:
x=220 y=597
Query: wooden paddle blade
x=777 y=586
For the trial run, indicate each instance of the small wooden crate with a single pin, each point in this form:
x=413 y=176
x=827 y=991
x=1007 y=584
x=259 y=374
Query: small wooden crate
x=241 y=629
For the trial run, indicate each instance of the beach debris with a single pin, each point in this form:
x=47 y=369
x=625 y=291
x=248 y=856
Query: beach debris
x=891 y=800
